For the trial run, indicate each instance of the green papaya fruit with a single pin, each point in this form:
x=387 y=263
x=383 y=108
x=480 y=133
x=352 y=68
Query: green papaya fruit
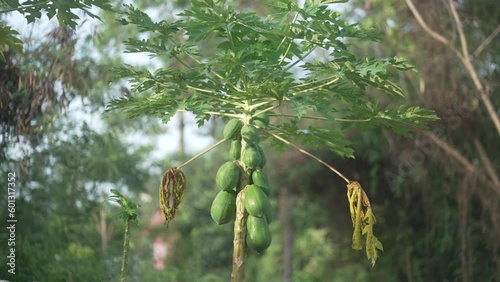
x=250 y=134
x=235 y=150
x=261 y=120
x=223 y=208
x=256 y=203
x=258 y=233
x=251 y=157
x=263 y=159
x=227 y=176
x=232 y=129
x=260 y=179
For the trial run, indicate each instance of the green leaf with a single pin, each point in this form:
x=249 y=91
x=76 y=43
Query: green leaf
x=63 y=9
x=12 y=3
x=9 y=40
x=372 y=72
x=129 y=208
x=402 y=119
x=249 y=65
x=161 y=106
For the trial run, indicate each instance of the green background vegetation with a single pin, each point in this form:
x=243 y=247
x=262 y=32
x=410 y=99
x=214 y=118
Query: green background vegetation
x=436 y=195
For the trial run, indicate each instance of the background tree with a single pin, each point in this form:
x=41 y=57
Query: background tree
x=447 y=177
x=64 y=164
x=435 y=195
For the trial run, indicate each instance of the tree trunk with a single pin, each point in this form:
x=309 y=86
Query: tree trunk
x=240 y=232
x=286 y=206
x=182 y=146
x=103 y=230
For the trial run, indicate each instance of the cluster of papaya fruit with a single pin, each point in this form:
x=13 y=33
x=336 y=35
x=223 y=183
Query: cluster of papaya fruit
x=244 y=174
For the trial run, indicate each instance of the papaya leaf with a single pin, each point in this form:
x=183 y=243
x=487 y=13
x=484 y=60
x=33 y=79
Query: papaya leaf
x=363 y=221
x=63 y=10
x=9 y=40
x=129 y=208
x=11 y=3
x=355 y=207
x=248 y=64
x=401 y=120
x=372 y=244
x=161 y=106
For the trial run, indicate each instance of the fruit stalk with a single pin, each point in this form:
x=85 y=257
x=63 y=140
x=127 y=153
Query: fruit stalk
x=239 y=243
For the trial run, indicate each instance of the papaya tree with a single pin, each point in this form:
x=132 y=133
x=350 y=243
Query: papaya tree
x=288 y=79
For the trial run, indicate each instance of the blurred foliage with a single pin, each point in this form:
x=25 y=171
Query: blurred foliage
x=438 y=211
x=59 y=195
x=40 y=84
x=439 y=223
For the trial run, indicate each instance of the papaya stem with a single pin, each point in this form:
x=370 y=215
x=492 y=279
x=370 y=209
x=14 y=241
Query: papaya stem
x=321 y=118
x=268 y=109
x=302 y=117
x=224 y=114
x=254 y=106
x=201 y=153
x=307 y=153
x=217 y=114
x=239 y=243
x=126 y=240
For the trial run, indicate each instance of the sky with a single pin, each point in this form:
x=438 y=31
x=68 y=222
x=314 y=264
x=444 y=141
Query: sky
x=164 y=143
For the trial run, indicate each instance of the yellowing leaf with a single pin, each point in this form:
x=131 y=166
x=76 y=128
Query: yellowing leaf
x=363 y=221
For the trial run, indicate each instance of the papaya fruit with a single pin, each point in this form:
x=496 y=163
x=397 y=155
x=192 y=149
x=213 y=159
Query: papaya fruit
x=256 y=203
x=251 y=157
x=261 y=120
x=250 y=134
x=235 y=150
x=263 y=159
x=227 y=176
x=260 y=179
x=232 y=129
x=223 y=208
x=258 y=233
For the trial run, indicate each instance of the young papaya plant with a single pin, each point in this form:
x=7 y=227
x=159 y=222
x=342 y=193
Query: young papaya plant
x=128 y=214
x=266 y=78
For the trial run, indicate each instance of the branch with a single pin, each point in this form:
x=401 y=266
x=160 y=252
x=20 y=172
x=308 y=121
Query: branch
x=307 y=153
x=487 y=41
x=316 y=87
x=452 y=152
x=455 y=154
x=291 y=41
x=486 y=162
x=322 y=118
x=302 y=117
x=432 y=33
x=472 y=72
x=463 y=56
x=216 y=114
x=201 y=153
x=254 y=106
x=463 y=40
